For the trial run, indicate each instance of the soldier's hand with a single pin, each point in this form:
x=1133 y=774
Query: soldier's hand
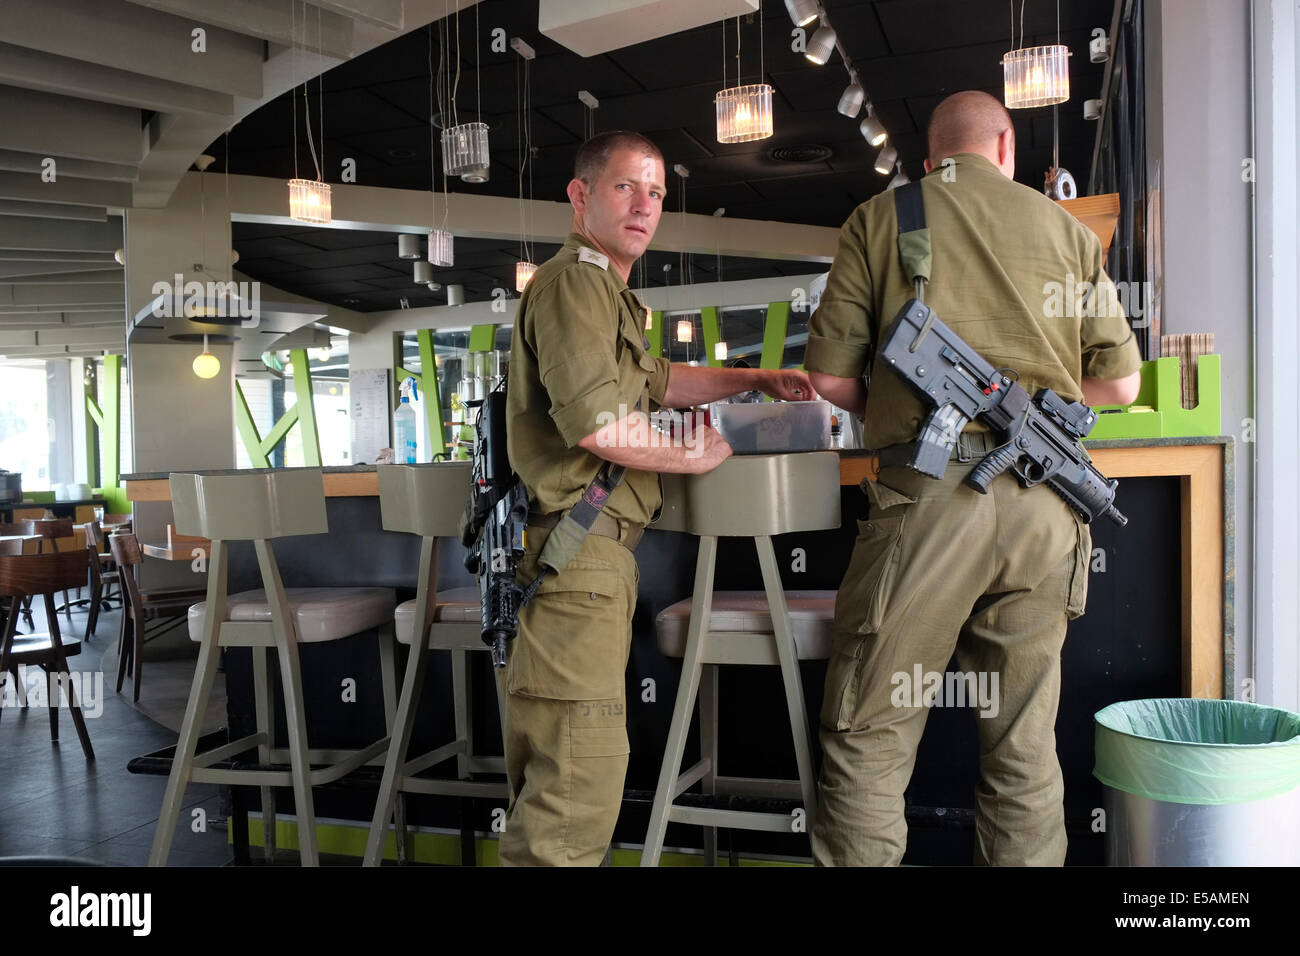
x=790 y=385
x=709 y=451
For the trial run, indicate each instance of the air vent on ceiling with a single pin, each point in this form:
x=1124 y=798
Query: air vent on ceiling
x=800 y=153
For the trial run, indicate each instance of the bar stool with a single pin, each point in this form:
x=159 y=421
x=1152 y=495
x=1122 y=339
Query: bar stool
x=259 y=507
x=37 y=575
x=754 y=496
x=429 y=500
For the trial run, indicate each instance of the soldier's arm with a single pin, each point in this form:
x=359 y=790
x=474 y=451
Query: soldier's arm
x=839 y=332
x=698 y=385
x=1111 y=359
x=633 y=443
x=847 y=393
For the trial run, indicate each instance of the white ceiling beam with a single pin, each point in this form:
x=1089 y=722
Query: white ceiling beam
x=83 y=337
x=52 y=126
x=45 y=255
x=23 y=270
x=25 y=233
x=25 y=295
x=61 y=352
x=14 y=161
x=34 y=70
x=381 y=13
x=84 y=277
x=52 y=210
x=34 y=320
x=376 y=208
x=67 y=190
x=131 y=38
x=271 y=20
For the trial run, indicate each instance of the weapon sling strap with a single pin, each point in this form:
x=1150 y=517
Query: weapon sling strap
x=566 y=538
x=914 y=246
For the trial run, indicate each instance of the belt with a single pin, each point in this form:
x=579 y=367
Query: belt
x=968 y=447
x=626 y=533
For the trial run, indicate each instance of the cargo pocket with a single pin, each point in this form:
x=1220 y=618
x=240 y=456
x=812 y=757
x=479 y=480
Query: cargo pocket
x=864 y=596
x=572 y=637
x=842 y=684
x=1078 y=594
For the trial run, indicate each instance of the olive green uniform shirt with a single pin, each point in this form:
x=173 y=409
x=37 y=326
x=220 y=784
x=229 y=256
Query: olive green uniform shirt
x=1014 y=274
x=579 y=361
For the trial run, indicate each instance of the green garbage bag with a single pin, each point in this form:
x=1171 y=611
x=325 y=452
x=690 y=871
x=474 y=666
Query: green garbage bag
x=1207 y=752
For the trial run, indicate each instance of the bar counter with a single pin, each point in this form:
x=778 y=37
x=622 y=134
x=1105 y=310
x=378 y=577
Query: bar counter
x=1155 y=627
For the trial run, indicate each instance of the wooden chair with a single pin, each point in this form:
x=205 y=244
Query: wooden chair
x=33 y=575
x=54 y=530
x=119 y=520
x=165 y=608
x=103 y=575
x=10 y=529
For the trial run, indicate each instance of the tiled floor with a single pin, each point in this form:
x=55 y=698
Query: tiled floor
x=55 y=802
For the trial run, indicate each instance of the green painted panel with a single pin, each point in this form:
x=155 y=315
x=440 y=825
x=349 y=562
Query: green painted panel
x=306 y=407
x=111 y=436
x=709 y=319
x=278 y=431
x=482 y=338
x=774 y=329
x=656 y=334
x=248 y=430
x=429 y=393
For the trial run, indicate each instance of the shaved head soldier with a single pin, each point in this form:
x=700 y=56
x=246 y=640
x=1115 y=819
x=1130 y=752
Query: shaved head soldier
x=938 y=568
x=581 y=381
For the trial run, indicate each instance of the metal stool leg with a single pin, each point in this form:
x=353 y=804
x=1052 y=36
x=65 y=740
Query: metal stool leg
x=388 y=674
x=794 y=700
x=286 y=643
x=264 y=710
x=701 y=608
x=200 y=691
x=709 y=750
x=460 y=696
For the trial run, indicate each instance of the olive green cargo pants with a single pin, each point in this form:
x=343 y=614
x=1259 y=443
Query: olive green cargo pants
x=938 y=567
x=566 y=727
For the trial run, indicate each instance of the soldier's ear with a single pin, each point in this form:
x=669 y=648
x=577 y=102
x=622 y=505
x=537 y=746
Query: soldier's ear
x=577 y=191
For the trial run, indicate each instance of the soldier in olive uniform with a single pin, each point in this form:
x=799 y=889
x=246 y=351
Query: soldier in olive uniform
x=937 y=567
x=579 y=364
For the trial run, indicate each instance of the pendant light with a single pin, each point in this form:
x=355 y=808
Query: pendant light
x=206 y=365
x=309 y=200
x=685 y=330
x=441 y=244
x=720 y=351
x=1036 y=75
x=524 y=267
x=465 y=145
x=743 y=113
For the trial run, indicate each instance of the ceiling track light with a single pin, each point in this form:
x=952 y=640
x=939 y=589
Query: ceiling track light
x=873 y=131
x=408 y=246
x=852 y=98
x=885 y=161
x=900 y=178
x=802 y=12
x=822 y=44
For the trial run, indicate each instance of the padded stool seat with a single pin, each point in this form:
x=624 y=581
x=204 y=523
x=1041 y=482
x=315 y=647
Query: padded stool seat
x=322 y=614
x=811 y=614
x=455 y=606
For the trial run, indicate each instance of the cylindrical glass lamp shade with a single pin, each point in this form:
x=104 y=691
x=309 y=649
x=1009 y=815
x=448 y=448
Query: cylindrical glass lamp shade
x=744 y=113
x=465 y=150
x=523 y=274
x=1036 y=76
x=309 y=200
x=719 y=351
x=685 y=330
x=441 y=252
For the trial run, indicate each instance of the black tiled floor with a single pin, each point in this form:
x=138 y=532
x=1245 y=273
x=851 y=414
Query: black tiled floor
x=55 y=802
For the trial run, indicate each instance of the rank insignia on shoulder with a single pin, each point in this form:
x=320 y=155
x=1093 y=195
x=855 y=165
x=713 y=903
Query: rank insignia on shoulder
x=595 y=258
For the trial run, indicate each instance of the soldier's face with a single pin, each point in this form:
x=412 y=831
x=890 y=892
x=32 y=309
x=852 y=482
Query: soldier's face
x=620 y=210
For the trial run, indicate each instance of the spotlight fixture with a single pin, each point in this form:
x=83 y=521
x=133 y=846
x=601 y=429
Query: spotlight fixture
x=852 y=98
x=423 y=272
x=408 y=246
x=802 y=12
x=900 y=178
x=821 y=45
x=885 y=161
x=873 y=131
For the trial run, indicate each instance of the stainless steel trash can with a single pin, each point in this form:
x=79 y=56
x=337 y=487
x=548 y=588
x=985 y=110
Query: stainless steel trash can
x=1199 y=783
